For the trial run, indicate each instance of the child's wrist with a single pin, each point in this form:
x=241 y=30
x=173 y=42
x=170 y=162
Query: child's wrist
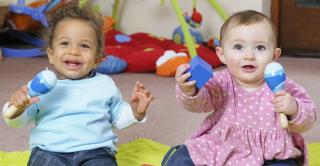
x=139 y=116
x=295 y=109
x=294 y=115
x=191 y=93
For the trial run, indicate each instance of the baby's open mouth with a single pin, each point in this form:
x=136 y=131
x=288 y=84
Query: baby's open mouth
x=248 y=67
x=72 y=64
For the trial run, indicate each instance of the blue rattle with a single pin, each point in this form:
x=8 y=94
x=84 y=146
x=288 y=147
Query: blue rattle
x=42 y=83
x=275 y=78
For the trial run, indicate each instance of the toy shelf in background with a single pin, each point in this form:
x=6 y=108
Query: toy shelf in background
x=22 y=20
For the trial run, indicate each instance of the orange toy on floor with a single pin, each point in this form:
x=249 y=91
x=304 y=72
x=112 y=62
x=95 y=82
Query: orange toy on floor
x=168 y=63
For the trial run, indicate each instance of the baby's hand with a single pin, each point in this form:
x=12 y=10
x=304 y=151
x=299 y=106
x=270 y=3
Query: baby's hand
x=140 y=100
x=21 y=100
x=285 y=103
x=188 y=88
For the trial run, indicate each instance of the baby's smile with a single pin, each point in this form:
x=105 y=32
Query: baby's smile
x=73 y=64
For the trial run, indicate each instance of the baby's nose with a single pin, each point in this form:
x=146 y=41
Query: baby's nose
x=74 y=51
x=249 y=54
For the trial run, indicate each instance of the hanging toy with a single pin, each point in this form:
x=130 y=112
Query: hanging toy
x=213 y=43
x=194 y=21
x=196 y=18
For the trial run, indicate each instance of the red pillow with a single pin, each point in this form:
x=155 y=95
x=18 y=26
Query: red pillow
x=144 y=59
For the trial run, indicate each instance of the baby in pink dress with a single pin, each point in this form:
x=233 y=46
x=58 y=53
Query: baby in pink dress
x=243 y=128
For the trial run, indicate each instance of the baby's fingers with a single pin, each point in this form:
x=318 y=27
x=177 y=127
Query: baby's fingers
x=137 y=86
x=280 y=93
x=181 y=70
x=19 y=97
x=145 y=92
x=147 y=95
x=189 y=83
x=33 y=100
x=183 y=79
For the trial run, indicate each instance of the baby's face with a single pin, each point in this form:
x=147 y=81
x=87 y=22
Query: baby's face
x=74 y=49
x=246 y=50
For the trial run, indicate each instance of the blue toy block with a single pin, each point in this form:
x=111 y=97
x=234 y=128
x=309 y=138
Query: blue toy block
x=201 y=71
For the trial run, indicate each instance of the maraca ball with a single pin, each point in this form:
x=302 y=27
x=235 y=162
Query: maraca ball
x=42 y=83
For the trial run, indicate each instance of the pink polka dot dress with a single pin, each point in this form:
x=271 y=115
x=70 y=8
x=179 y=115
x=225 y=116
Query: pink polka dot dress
x=244 y=128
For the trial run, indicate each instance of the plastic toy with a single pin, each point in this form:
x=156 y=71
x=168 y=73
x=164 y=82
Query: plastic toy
x=4 y=7
x=168 y=63
x=275 y=77
x=213 y=43
x=200 y=70
x=28 y=18
x=178 y=37
x=134 y=47
x=42 y=83
x=111 y=65
x=194 y=21
x=108 y=24
x=28 y=52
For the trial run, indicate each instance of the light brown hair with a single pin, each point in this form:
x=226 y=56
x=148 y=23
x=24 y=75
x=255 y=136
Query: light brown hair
x=247 y=17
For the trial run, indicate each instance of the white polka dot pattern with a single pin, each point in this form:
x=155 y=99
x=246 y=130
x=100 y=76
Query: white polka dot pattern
x=244 y=128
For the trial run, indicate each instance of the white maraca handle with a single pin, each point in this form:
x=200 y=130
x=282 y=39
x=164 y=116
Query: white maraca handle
x=10 y=112
x=275 y=77
x=42 y=83
x=283 y=120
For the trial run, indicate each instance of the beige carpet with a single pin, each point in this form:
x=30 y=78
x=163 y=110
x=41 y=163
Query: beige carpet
x=167 y=122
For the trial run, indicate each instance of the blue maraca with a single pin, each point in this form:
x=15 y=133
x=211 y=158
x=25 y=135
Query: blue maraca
x=275 y=78
x=42 y=83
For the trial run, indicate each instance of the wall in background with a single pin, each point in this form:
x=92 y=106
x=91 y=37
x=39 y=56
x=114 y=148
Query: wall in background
x=149 y=16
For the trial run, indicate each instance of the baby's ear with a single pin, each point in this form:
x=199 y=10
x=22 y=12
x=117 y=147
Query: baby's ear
x=276 y=54
x=50 y=55
x=100 y=58
x=220 y=54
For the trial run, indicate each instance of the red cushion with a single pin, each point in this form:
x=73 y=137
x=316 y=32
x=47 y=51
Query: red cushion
x=145 y=38
x=110 y=39
x=144 y=59
x=209 y=56
x=120 y=51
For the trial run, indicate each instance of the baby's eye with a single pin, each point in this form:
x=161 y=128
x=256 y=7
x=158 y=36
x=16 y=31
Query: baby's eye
x=237 y=47
x=64 y=43
x=84 y=46
x=261 y=48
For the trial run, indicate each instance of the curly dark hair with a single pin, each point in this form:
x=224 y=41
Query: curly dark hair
x=85 y=13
